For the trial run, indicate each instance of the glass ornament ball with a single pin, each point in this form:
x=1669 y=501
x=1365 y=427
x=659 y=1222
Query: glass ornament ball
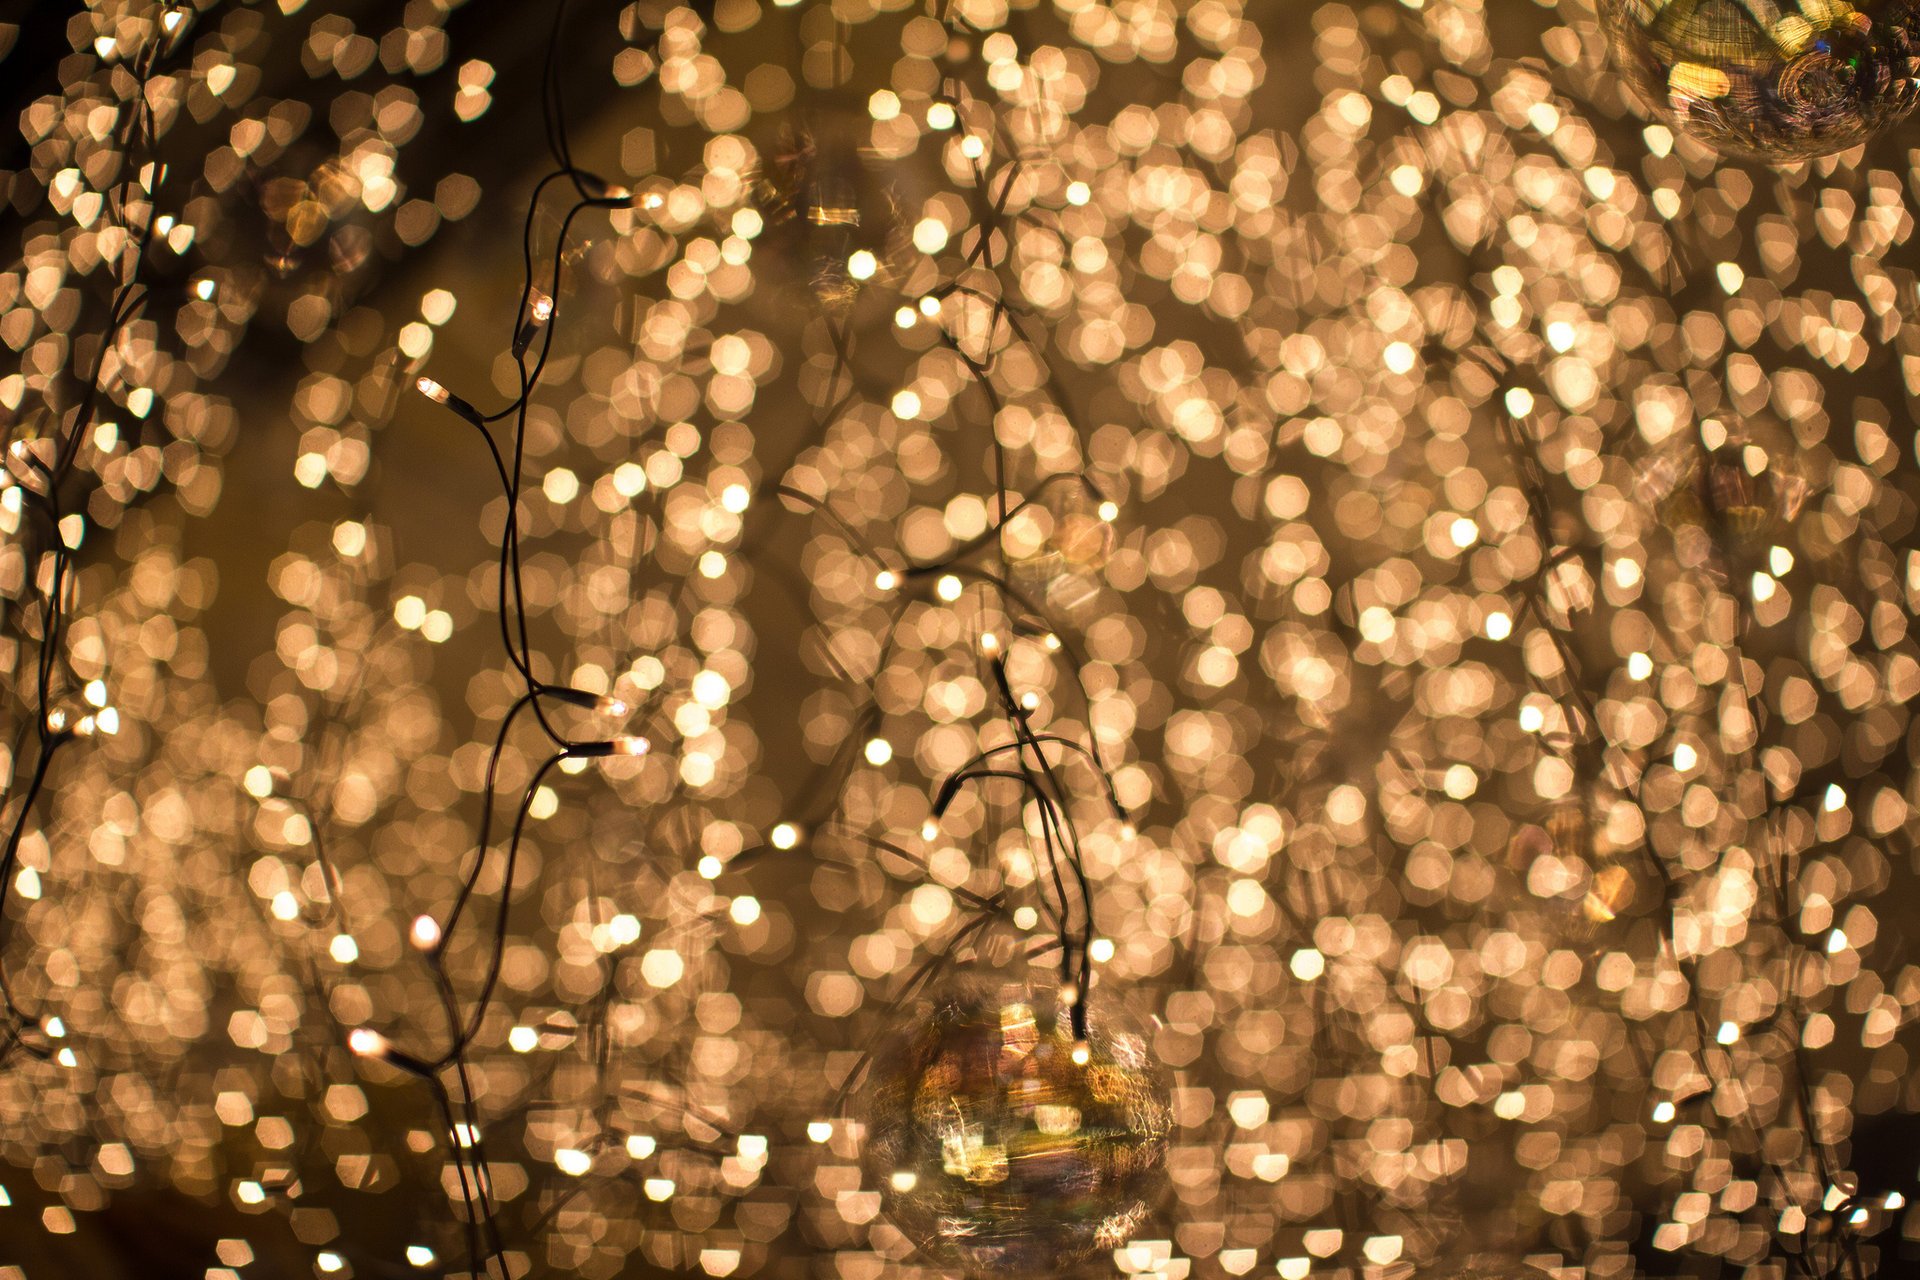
x=1743 y=490
x=1770 y=80
x=1609 y=884
x=1058 y=529
x=1001 y=1142
x=827 y=219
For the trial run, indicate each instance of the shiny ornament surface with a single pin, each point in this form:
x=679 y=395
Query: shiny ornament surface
x=1742 y=491
x=828 y=220
x=1770 y=80
x=1057 y=542
x=1566 y=864
x=1000 y=1142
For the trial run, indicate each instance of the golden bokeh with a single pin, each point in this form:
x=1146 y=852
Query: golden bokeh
x=562 y=568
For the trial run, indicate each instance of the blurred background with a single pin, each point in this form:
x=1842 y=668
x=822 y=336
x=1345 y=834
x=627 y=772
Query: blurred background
x=1497 y=650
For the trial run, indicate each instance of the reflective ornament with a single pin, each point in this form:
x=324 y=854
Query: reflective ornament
x=1566 y=864
x=826 y=218
x=1001 y=1142
x=1610 y=885
x=1770 y=80
x=1742 y=491
x=1056 y=543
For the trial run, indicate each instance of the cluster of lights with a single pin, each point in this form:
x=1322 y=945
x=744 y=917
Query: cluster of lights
x=1391 y=603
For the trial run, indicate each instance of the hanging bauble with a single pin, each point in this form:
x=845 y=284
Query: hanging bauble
x=1743 y=493
x=1567 y=864
x=1766 y=81
x=1001 y=1141
x=1611 y=884
x=827 y=219
x=1057 y=542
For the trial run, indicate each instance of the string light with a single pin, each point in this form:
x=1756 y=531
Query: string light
x=1505 y=657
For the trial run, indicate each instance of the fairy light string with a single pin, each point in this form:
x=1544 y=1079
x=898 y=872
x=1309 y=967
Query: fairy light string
x=1266 y=298
x=40 y=469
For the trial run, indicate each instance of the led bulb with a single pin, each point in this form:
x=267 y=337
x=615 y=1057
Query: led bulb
x=367 y=1042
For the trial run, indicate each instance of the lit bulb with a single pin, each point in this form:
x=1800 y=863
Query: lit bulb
x=627 y=744
x=367 y=1042
x=539 y=311
x=425 y=934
